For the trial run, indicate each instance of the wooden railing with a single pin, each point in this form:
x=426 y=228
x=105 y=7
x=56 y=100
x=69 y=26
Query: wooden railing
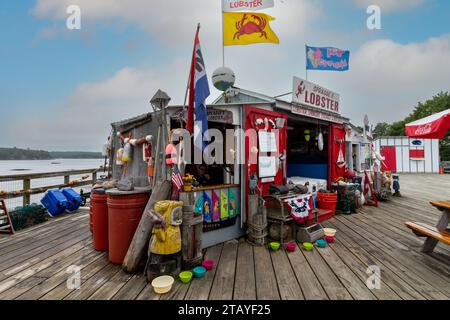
x=26 y=191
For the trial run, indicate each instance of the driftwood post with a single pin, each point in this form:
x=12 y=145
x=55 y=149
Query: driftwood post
x=138 y=246
x=191 y=232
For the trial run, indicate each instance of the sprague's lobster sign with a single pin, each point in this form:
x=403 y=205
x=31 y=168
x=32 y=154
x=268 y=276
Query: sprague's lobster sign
x=313 y=95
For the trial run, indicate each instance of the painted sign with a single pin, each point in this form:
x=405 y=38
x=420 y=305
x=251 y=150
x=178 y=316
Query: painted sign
x=328 y=58
x=315 y=96
x=222 y=116
x=317 y=114
x=238 y=5
x=416 y=143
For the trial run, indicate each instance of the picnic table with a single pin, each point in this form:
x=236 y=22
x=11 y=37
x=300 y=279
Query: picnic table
x=434 y=234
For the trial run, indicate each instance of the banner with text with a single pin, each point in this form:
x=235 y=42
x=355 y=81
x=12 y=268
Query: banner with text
x=313 y=95
x=238 y=5
x=329 y=59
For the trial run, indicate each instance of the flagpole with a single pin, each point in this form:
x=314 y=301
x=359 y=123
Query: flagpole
x=223 y=39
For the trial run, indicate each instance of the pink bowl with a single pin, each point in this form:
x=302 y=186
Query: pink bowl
x=290 y=247
x=208 y=264
x=329 y=239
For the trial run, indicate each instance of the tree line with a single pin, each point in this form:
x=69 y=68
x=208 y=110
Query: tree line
x=29 y=154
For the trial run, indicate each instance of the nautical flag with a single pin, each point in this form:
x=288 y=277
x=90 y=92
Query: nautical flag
x=197 y=120
x=242 y=28
x=328 y=58
x=249 y=5
x=177 y=179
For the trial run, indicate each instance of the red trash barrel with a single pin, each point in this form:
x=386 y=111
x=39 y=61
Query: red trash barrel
x=99 y=209
x=124 y=214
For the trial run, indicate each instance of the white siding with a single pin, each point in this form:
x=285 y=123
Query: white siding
x=428 y=156
x=399 y=159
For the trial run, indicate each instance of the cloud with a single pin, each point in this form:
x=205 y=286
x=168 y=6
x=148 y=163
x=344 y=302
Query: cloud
x=387 y=79
x=173 y=22
x=390 y=5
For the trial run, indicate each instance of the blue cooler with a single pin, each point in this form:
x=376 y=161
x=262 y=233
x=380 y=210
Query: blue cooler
x=55 y=202
x=73 y=199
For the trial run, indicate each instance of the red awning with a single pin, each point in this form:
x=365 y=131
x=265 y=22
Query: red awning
x=435 y=126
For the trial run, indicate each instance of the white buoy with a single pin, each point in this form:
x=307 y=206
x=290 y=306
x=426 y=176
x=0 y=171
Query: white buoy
x=223 y=78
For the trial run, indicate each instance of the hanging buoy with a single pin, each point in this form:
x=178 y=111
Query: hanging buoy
x=320 y=141
x=171 y=155
x=119 y=155
x=126 y=157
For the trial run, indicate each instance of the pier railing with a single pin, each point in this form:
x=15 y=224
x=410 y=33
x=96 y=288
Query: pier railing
x=22 y=189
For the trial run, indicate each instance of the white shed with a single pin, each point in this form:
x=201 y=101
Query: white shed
x=409 y=155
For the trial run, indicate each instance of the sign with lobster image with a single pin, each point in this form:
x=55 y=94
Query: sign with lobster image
x=312 y=95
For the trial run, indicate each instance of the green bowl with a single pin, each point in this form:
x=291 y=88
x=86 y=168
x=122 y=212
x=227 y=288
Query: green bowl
x=274 y=246
x=185 y=276
x=308 y=246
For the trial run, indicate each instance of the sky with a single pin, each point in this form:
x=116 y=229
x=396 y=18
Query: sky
x=60 y=89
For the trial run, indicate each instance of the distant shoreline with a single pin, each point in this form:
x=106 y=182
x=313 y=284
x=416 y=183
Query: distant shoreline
x=15 y=154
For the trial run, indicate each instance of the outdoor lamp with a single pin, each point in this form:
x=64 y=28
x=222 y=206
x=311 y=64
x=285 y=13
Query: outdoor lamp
x=307 y=135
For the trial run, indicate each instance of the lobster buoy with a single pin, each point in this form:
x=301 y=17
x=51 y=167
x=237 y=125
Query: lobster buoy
x=126 y=157
x=171 y=155
x=119 y=155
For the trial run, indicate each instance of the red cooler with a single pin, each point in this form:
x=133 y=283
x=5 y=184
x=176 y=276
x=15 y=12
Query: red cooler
x=99 y=210
x=124 y=214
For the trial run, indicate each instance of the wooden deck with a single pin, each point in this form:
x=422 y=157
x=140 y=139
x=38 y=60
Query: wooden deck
x=33 y=263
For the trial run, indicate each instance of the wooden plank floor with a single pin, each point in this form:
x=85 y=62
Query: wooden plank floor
x=34 y=264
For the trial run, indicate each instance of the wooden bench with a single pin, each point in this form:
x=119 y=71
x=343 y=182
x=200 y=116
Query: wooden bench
x=434 y=234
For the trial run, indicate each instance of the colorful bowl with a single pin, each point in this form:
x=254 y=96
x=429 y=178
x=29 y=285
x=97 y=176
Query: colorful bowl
x=308 y=246
x=162 y=284
x=208 y=264
x=199 y=272
x=290 y=246
x=274 y=246
x=321 y=243
x=329 y=239
x=185 y=276
x=329 y=232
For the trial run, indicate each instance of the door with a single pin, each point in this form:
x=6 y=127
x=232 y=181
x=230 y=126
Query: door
x=261 y=157
x=390 y=162
x=336 y=153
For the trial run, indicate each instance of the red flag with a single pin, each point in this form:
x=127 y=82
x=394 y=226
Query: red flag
x=190 y=113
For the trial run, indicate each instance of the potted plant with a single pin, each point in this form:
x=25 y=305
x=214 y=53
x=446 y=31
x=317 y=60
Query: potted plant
x=188 y=180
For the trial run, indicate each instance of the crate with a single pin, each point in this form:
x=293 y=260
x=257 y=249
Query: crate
x=310 y=234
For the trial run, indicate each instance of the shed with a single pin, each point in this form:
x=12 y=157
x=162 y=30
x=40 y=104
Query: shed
x=409 y=155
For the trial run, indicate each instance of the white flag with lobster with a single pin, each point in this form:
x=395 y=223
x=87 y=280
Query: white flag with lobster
x=249 y=5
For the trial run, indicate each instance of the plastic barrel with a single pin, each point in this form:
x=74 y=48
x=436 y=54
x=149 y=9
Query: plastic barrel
x=124 y=214
x=99 y=209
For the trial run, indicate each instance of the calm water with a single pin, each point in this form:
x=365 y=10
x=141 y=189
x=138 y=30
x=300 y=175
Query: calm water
x=38 y=166
x=20 y=167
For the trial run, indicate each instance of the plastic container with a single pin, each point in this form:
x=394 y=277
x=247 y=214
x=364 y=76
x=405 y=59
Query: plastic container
x=290 y=246
x=199 y=272
x=274 y=246
x=73 y=199
x=55 y=202
x=321 y=243
x=124 y=214
x=162 y=284
x=329 y=232
x=308 y=246
x=329 y=239
x=99 y=210
x=185 y=276
x=328 y=205
x=208 y=264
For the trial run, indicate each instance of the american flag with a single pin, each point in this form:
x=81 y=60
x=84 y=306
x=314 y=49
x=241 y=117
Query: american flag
x=177 y=179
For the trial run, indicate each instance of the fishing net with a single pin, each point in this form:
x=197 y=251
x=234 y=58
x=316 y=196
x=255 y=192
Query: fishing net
x=27 y=216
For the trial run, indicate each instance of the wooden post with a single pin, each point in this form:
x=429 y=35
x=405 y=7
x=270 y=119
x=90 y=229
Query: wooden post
x=26 y=186
x=66 y=180
x=94 y=177
x=191 y=232
x=141 y=238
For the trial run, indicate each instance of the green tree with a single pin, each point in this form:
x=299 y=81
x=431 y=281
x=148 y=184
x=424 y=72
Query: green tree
x=380 y=129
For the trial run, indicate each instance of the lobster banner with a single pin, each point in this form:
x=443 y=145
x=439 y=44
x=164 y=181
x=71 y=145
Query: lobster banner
x=249 y=5
x=242 y=28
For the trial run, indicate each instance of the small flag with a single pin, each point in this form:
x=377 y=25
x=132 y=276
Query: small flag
x=242 y=28
x=198 y=92
x=177 y=179
x=328 y=59
x=249 y=5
